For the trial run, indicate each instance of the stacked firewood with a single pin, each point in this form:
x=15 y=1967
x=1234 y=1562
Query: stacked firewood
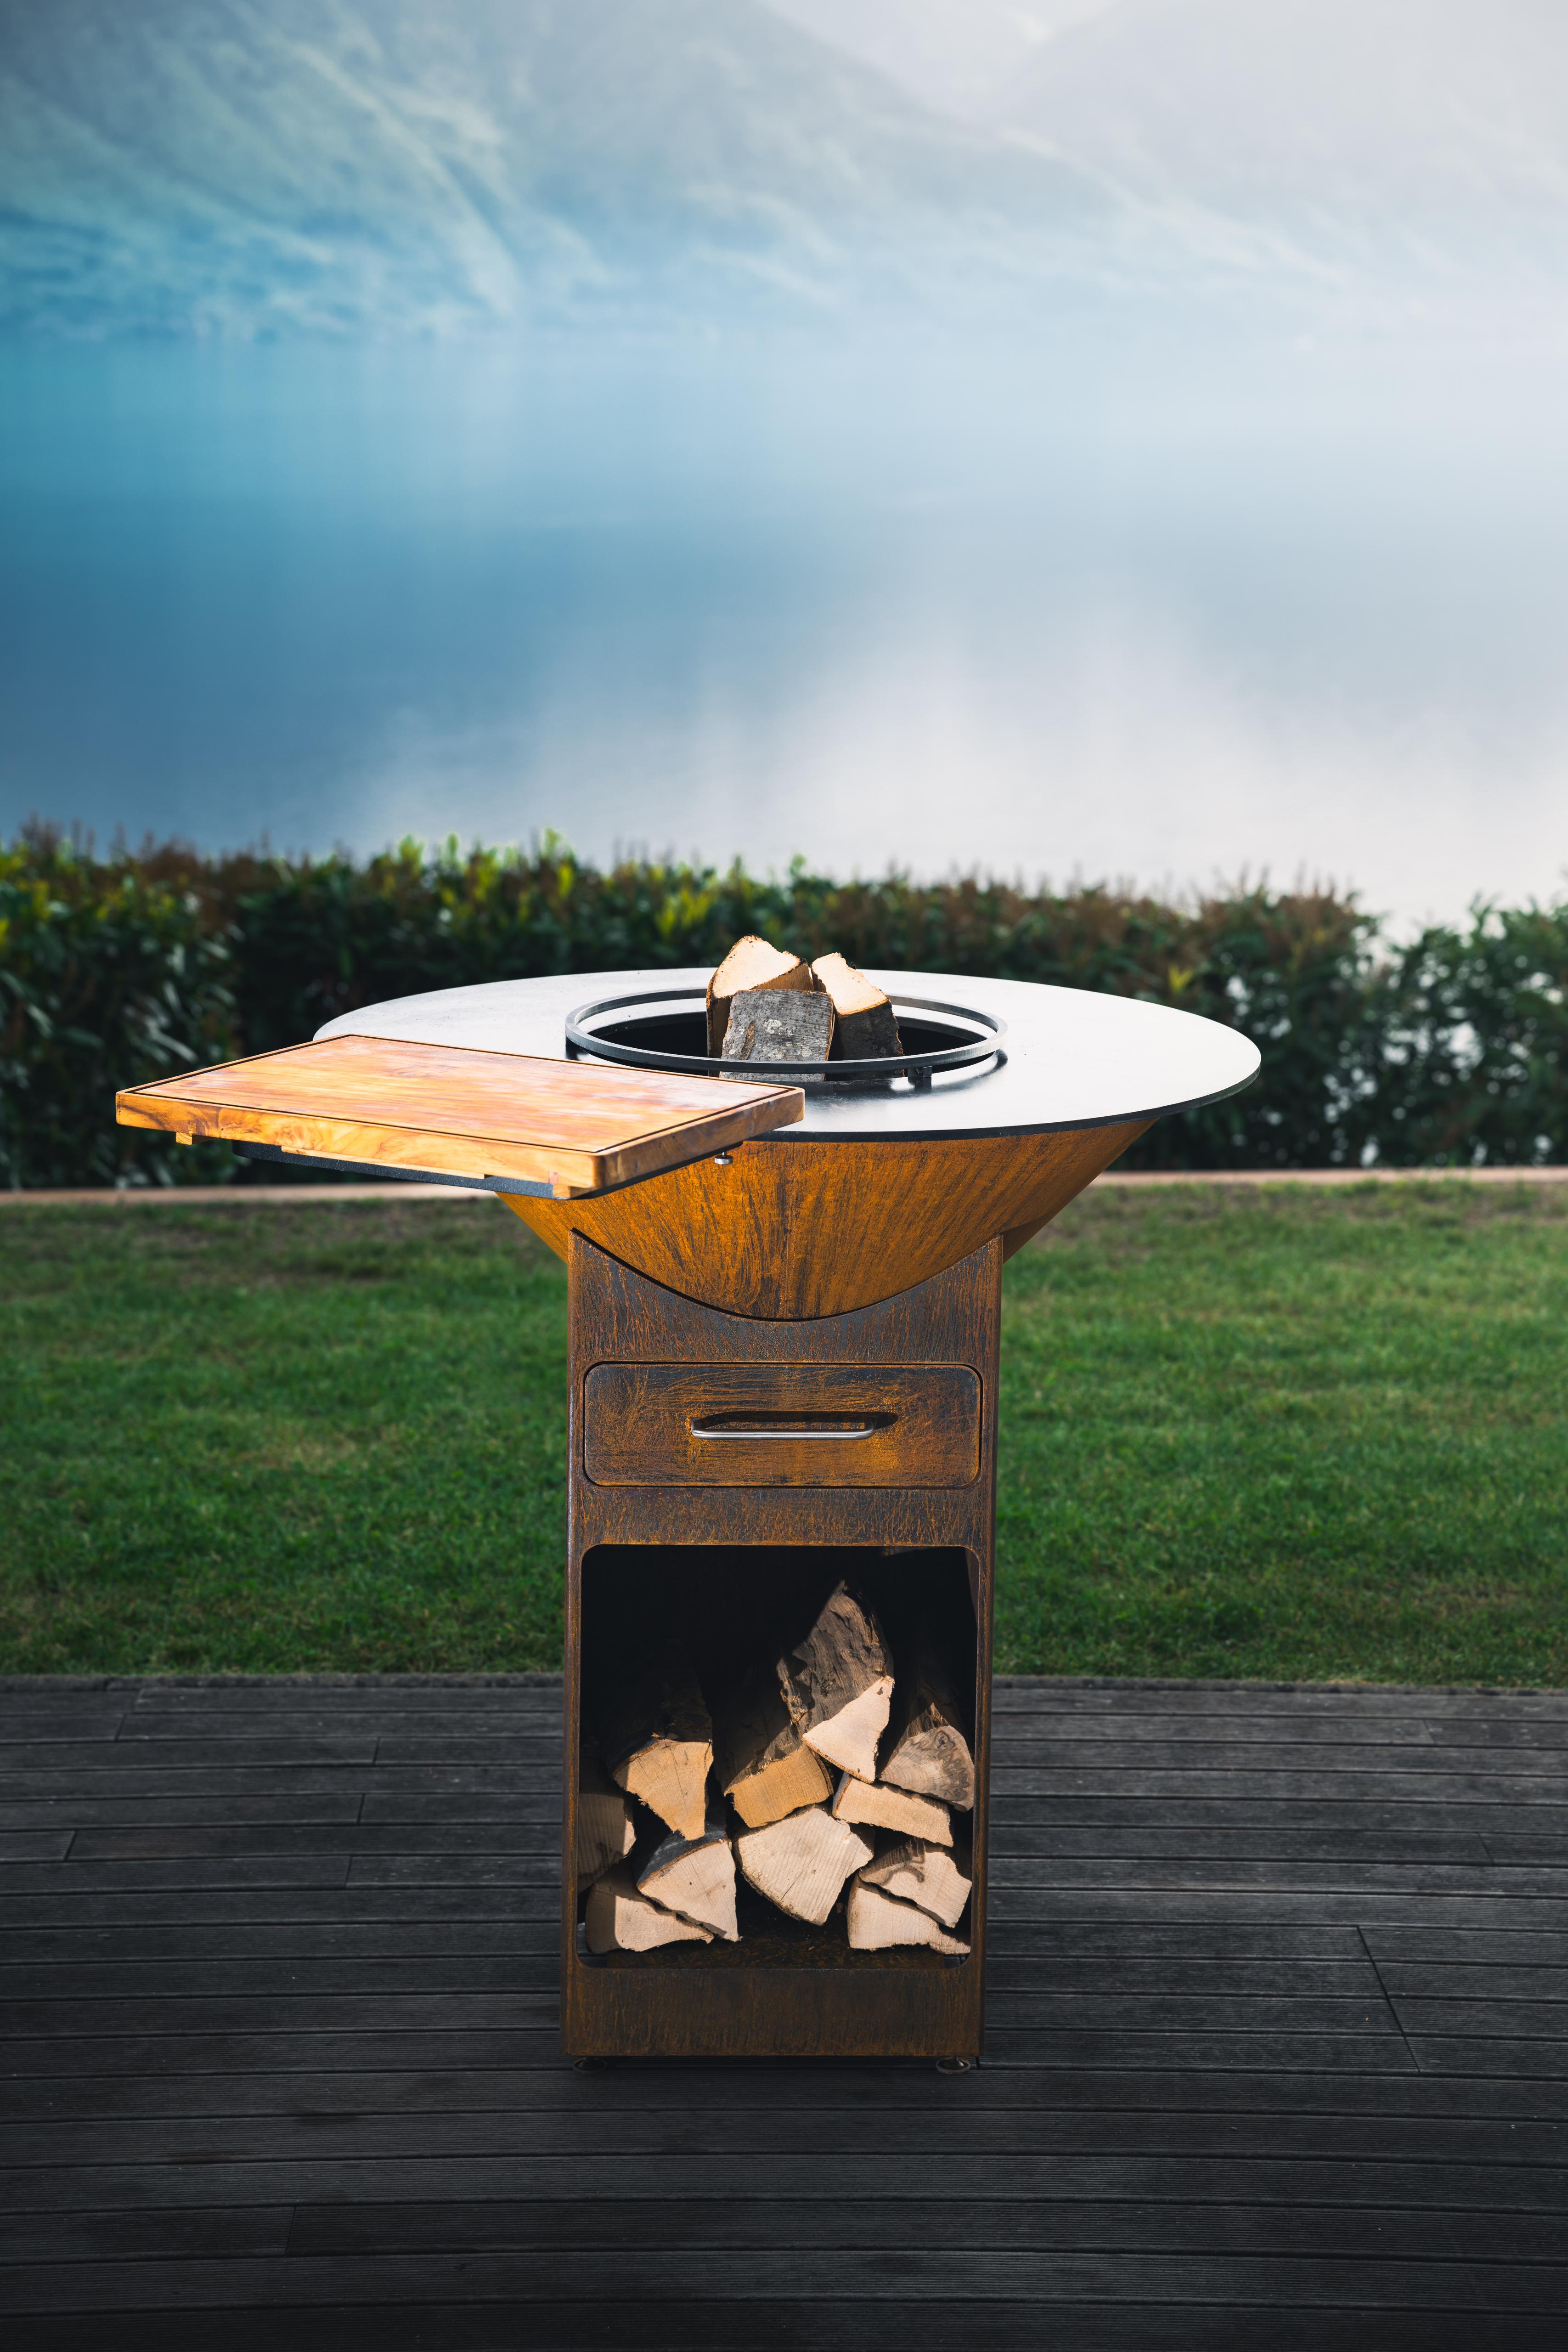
x=766 y=1005
x=821 y=1770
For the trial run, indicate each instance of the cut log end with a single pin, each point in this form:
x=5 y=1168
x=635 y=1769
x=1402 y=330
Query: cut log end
x=913 y=1871
x=800 y=1863
x=752 y=964
x=785 y=1786
x=876 y=1806
x=878 y=1921
x=865 y=1028
x=934 y=1762
x=837 y=1683
x=658 y=1740
x=605 y=1829
x=926 y=1751
x=766 y=1769
x=696 y=1878
x=619 y=1919
x=670 y=1777
x=849 y=1738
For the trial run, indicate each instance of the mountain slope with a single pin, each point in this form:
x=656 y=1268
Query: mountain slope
x=953 y=54
x=1430 y=135
x=429 y=166
x=213 y=164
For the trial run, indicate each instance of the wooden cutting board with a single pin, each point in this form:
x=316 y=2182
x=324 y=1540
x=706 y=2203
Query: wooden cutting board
x=575 y=1127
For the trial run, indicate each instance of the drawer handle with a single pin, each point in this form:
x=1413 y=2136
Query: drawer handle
x=836 y=1428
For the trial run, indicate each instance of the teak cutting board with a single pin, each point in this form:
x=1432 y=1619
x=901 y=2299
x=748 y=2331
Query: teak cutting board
x=448 y=1110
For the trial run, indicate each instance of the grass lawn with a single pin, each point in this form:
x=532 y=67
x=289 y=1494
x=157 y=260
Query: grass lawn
x=1292 y=1434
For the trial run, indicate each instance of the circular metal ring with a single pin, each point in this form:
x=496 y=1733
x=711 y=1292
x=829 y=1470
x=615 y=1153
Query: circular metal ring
x=918 y=1068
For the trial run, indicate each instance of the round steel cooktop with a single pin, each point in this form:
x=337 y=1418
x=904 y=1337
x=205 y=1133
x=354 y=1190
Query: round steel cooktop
x=1071 y=1057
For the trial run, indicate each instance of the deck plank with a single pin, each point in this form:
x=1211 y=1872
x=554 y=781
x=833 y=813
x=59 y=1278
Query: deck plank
x=933 y=2324
x=464 y=2157
x=758 y=2278
x=1424 y=2119
x=1278 y=2030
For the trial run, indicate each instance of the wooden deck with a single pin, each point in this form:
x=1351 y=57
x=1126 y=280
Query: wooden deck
x=1277 y=2052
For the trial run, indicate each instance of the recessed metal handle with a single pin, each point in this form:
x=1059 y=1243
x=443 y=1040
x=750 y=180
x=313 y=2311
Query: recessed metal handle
x=749 y=1426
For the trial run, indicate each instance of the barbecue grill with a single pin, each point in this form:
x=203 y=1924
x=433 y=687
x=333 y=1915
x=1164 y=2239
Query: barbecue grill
x=784 y=1315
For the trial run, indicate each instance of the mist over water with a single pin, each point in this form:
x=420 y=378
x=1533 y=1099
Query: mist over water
x=1135 y=613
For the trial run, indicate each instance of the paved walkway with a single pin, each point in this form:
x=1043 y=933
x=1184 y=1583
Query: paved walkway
x=1276 y=2055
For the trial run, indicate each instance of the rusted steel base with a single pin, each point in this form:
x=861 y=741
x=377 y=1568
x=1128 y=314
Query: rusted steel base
x=648 y=1551
x=775 y=2012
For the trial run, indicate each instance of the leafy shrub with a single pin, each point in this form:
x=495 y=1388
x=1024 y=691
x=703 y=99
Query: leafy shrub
x=1447 y=1050
x=108 y=975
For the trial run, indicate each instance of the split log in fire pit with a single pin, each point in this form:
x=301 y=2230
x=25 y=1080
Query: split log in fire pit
x=751 y=966
x=774 y=1025
x=766 y=1005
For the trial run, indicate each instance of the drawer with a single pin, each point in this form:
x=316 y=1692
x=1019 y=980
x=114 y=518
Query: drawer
x=781 y=1424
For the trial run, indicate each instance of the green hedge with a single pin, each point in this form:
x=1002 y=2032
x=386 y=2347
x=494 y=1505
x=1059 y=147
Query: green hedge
x=1447 y=1049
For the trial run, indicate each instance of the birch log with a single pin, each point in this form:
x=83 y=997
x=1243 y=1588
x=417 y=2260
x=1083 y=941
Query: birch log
x=695 y=1877
x=765 y=1767
x=926 y=1875
x=658 y=1742
x=621 y=1921
x=837 y=1683
x=874 y=1804
x=802 y=1863
x=776 y=1025
x=605 y=1830
x=865 y=1027
x=925 y=1749
x=751 y=963
x=878 y=1921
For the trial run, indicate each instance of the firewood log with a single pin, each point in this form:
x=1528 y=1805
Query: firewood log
x=605 y=1830
x=865 y=1028
x=621 y=1921
x=694 y=1877
x=772 y=1025
x=926 y=1750
x=925 y=1876
x=837 y=1683
x=877 y=1806
x=765 y=1767
x=658 y=1740
x=802 y=1863
x=878 y=1920
x=753 y=964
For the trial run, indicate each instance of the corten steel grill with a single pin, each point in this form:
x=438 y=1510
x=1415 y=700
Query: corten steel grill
x=783 y=1361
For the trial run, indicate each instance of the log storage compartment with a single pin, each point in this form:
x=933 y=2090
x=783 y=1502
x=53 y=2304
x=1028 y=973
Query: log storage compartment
x=796 y=1828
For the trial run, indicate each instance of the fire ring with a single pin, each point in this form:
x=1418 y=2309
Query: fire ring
x=675 y=1014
